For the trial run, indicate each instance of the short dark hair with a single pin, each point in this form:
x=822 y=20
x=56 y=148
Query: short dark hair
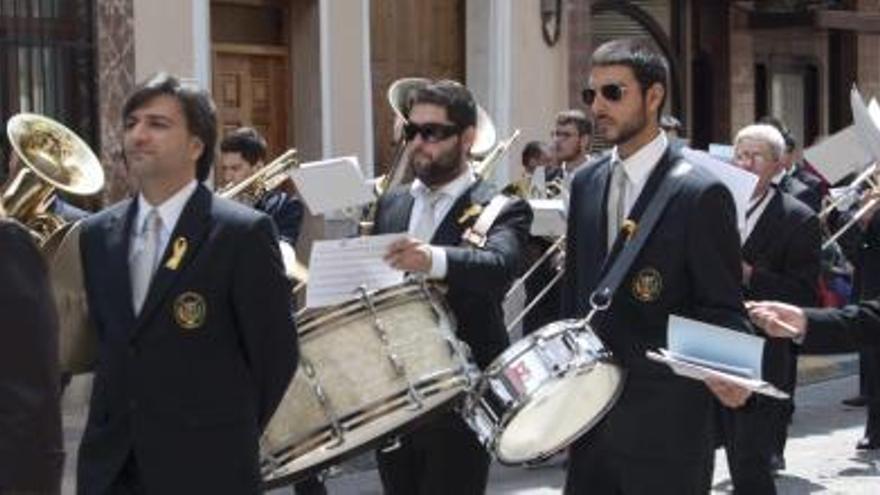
x=198 y=109
x=461 y=108
x=248 y=142
x=578 y=119
x=532 y=150
x=649 y=66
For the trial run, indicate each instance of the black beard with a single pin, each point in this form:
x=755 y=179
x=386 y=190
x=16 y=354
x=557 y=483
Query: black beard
x=442 y=170
x=629 y=130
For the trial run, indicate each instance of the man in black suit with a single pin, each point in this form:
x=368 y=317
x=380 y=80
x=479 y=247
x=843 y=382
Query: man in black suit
x=31 y=448
x=443 y=456
x=781 y=250
x=242 y=153
x=795 y=179
x=659 y=437
x=187 y=294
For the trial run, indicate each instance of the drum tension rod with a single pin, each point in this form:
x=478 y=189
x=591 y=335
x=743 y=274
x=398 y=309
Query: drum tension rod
x=338 y=433
x=416 y=399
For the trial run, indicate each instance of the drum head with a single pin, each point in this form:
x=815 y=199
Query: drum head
x=559 y=413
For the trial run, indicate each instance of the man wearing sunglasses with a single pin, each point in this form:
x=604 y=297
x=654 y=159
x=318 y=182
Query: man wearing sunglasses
x=443 y=455
x=659 y=436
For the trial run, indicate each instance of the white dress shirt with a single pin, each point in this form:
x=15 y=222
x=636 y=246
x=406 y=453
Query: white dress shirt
x=638 y=168
x=449 y=194
x=169 y=212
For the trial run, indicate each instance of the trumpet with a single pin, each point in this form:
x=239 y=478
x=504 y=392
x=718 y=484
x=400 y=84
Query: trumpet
x=854 y=193
x=266 y=179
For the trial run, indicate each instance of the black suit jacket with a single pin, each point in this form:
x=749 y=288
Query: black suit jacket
x=190 y=403
x=693 y=258
x=477 y=278
x=810 y=193
x=31 y=449
x=784 y=251
x=286 y=211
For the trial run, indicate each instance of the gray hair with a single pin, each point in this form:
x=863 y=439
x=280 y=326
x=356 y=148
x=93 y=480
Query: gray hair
x=765 y=133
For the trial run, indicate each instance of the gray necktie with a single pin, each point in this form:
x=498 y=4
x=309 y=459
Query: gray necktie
x=144 y=262
x=424 y=228
x=616 y=202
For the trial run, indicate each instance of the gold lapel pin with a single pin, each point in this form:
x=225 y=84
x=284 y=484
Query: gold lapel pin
x=472 y=211
x=178 y=250
x=629 y=228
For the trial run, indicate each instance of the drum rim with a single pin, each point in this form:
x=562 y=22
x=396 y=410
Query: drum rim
x=315 y=317
x=518 y=348
x=449 y=382
x=508 y=416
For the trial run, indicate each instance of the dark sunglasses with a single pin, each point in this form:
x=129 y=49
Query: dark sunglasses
x=431 y=132
x=610 y=92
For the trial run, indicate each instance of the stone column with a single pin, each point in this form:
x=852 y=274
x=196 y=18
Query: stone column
x=115 y=73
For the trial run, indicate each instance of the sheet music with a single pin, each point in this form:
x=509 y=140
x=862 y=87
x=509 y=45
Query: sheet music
x=332 y=185
x=338 y=268
x=866 y=128
x=839 y=155
x=723 y=152
x=740 y=182
x=549 y=219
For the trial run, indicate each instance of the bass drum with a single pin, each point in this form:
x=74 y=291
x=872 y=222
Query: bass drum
x=368 y=368
x=544 y=392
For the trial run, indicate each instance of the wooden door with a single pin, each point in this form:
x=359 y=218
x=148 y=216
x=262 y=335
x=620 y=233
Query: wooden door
x=251 y=89
x=411 y=38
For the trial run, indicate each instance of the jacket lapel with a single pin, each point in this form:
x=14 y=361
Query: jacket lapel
x=117 y=251
x=190 y=231
x=450 y=230
x=764 y=230
x=653 y=183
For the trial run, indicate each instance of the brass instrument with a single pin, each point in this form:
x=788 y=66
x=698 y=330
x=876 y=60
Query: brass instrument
x=554 y=249
x=266 y=179
x=854 y=193
x=486 y=167
x=53 y=158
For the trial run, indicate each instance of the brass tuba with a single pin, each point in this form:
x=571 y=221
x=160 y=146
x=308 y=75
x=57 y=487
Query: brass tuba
x=53 y=158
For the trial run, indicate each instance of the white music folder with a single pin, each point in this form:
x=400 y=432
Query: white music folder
x=700 y=350
x=332 y=185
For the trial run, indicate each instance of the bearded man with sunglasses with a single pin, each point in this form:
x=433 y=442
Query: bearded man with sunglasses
x=443 y=455
x=659 y=436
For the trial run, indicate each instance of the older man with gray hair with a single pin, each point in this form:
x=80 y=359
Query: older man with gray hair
x=781 y=249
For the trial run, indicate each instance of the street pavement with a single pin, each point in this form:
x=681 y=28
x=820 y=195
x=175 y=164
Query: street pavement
x=820 y=455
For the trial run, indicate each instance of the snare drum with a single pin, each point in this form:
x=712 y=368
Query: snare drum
x=367 y=368
x=543 y=392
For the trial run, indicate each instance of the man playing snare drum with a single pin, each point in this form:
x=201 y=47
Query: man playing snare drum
x=658 y=438
x=444 y=456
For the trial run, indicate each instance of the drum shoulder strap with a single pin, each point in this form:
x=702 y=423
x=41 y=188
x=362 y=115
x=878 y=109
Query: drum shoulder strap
x=478 y=233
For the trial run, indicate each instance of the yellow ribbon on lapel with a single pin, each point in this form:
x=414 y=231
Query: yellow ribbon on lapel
x=178 y=250
x=472 y=211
